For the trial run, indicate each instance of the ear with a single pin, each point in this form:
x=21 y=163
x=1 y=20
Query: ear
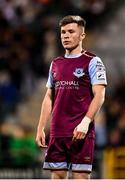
x=83 y=36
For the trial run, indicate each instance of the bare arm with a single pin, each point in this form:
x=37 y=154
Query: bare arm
x=44 y=117
x=99 y=96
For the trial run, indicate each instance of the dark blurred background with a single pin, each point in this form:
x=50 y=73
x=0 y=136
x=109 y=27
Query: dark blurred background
x=29 y=40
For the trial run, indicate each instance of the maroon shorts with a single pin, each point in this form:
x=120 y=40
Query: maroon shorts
x=63 y=153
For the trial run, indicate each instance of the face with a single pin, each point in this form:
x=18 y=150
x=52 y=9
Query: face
x=72 y=36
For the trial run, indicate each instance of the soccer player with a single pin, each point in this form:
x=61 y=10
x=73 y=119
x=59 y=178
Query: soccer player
x=75 y=94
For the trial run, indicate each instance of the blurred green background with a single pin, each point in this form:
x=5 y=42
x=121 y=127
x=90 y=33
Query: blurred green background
x=29 y=40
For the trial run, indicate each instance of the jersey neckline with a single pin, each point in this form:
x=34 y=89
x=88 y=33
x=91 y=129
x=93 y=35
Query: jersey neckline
x=74 y=56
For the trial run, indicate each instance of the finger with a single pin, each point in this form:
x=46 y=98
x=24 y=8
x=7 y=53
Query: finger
x=43 y=144
x=78 y=136
x=82 y=136
x=39 y=143
x=75 y=137
x=74 y=132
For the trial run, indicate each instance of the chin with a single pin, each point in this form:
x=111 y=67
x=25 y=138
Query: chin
x=68 y=47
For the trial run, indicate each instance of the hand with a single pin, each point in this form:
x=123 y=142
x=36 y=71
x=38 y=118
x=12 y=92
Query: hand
x=81 y=130
x=40 y=138
x=78 y=135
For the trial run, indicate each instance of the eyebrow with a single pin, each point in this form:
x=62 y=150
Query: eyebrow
x=67 y=30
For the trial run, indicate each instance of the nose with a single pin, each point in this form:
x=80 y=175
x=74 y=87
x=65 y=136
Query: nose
x=66 y=35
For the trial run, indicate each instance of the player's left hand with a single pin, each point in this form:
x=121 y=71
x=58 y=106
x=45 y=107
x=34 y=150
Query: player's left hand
x=78 y=135
x=81 y=130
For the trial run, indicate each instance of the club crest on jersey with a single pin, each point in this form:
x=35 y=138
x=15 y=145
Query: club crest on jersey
x=78 y=72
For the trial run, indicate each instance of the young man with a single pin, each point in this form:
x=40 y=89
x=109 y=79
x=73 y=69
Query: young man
x=76 y=91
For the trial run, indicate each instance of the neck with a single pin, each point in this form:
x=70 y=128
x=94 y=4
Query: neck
x=75 y=51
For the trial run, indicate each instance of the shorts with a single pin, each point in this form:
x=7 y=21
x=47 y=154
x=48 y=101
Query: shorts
x=65 y=154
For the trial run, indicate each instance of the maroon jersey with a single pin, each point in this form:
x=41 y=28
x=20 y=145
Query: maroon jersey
x=71 y=80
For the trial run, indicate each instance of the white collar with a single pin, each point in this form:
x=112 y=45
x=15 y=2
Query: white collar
x=73 y=55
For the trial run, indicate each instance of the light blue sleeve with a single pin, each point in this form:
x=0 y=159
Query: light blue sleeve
x=50 y=81
x=97 y=71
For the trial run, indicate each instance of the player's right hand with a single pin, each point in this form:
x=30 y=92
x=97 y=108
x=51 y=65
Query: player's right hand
x=40 y=139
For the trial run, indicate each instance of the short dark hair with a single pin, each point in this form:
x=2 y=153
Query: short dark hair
x=72 y=19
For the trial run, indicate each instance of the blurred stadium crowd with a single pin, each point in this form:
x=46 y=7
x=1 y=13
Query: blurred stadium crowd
x=29 y=39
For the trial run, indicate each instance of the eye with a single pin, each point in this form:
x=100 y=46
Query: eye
x=71 y=31
x=63 y=32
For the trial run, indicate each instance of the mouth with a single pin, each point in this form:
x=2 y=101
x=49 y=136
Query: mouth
x=66 y=42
